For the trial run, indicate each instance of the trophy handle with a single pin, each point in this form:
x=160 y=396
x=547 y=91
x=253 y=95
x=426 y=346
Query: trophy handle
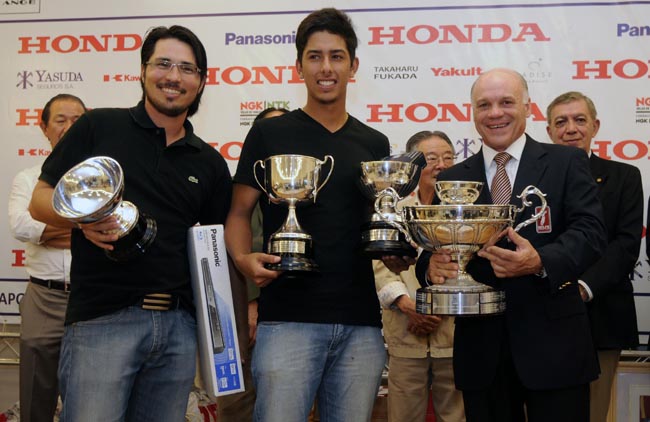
x=261 y=163
x=392 y=193
x=320 y=163
x=530 y=190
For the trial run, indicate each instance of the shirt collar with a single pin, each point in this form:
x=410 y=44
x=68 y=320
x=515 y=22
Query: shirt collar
x=140 y=116
x=515 y=150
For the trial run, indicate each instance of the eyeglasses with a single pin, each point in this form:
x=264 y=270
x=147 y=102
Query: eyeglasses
x=446 y=159
x=166 y=66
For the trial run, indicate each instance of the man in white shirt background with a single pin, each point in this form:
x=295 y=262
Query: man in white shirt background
x=47 y=248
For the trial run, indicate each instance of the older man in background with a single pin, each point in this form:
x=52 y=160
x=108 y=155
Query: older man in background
x=606 y=285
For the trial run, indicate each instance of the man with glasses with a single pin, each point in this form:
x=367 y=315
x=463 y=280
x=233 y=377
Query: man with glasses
x=120 y=359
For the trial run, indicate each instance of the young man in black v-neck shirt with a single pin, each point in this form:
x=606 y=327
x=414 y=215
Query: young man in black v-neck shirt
x=318 y=336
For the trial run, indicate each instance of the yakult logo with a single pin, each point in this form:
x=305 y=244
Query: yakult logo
x=448 y=34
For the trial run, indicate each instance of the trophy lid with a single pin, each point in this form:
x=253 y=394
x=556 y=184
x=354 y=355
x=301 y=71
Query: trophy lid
x=89 y=191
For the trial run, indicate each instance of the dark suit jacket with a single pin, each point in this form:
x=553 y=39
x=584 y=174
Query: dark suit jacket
x=545 y=325
x=612 y=311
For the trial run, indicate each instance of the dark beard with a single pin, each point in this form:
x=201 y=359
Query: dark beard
x=167 y=111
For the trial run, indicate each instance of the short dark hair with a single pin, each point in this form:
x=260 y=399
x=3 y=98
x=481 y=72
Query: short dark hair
x=415 y=140
x=569 y=97
x=268 y=110
x=330 y=20
x=184 y=35
x=45 y=114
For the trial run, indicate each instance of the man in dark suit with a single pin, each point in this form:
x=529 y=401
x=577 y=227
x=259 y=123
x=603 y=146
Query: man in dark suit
x=535 y=360
x=605 y=286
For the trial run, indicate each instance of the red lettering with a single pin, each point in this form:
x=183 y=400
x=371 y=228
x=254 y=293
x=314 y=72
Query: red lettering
x=393 y=112
x=488 y=33
x=601 y=69
x=643 y=101
x=641 y=68
x=533 y=30
x=601 y=149
x=638 y=149
x=430 y=34
x=19 y=257
x=27 y=45
x=377 y=35
x=25 y=115
x=427 y=34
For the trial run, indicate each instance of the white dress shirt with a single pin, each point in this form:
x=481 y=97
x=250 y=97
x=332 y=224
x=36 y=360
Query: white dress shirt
x=40 y=261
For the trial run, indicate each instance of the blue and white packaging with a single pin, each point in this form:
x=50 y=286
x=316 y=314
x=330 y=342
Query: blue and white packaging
x=219 y=355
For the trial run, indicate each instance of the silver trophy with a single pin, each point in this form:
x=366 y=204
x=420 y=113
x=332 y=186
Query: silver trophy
x=387 y=182
x=292 y=179
x=91 y=191
x=462 y=228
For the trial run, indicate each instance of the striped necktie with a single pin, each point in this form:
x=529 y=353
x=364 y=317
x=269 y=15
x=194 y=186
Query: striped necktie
x=500 y=188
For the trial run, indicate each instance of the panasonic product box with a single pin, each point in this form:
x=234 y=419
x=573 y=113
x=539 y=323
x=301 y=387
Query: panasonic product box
x=219 y=355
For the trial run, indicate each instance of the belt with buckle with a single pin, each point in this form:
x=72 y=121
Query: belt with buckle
x=160 y=302
x=51 y=284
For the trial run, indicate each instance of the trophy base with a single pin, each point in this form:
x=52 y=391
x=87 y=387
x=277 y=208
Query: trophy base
x=379 y=239
x=378 y=248
x=468 y=300
x=294 y=264
x=135 y=242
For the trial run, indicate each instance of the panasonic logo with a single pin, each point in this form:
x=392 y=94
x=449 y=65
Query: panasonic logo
x=236 y=39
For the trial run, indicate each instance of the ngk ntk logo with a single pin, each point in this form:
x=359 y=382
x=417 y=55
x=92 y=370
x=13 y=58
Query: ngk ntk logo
x=446 y=72
x=607 y=69
x=248 y=110
x=64 y=44
x=46 y=79
x=643 y=110
x=121 y=77
x=395 y=72
x=627 y=30
x=465 y=34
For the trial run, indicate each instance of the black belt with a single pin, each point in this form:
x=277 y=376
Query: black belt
x=160 y=302
x=51 y=284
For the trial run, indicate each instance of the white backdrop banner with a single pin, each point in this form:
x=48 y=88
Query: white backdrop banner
x=417 y=63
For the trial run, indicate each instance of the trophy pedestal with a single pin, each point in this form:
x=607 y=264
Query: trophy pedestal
x=295 y=250
x=380 y=239
x=136 y=241
x=460 y=300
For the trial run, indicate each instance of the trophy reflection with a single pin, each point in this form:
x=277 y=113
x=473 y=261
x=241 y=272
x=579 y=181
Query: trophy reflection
x=462 y=228
x=91 y=191
x=292 y=179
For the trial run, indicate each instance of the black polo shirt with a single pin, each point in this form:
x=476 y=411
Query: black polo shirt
x=179 y=185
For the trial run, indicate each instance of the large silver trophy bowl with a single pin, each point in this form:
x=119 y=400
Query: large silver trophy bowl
x=462 y=228
x=91 y=191
x=386 y=183
x=291 y=179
